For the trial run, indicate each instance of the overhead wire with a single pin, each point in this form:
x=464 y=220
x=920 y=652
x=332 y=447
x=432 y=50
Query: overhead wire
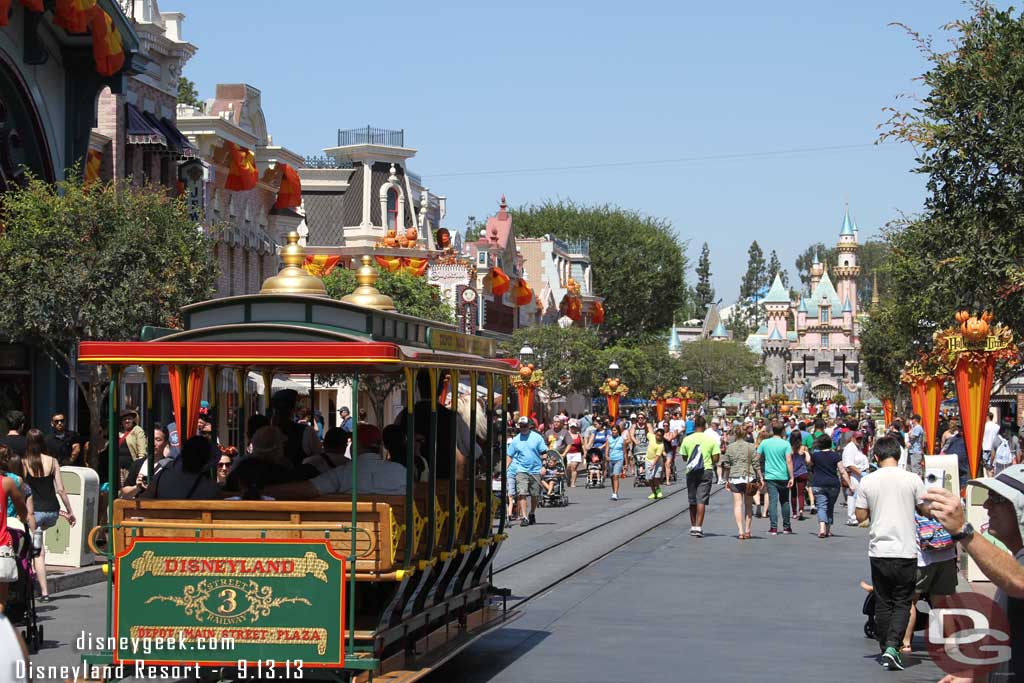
x=737 y=156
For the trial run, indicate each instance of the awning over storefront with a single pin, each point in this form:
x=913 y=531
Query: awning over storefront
x=176 y=141
x=140 y=130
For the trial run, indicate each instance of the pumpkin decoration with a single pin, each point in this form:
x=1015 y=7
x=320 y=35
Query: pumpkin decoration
x=613 y=383
x=412 y=234
x=525 y=371
x=962 y=316
x=531 y=366
x=390 y=242
x=975 y=329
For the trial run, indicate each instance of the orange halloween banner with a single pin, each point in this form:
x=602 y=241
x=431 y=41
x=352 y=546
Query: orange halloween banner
x=597 y=317
x=931 y=404
x=289 y=194
x=973 y=391
x=573 y=306
x=613 y=406
x=521 y=293
x=659 y=407
x=525 y=394
x=107 y=46
x=887 y=410
x=320 y=265
x=500 y=282
x=242 y=173
x=73 y=15
x=93 y=163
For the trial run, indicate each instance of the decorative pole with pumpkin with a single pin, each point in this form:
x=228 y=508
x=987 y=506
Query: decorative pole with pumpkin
x=526 y=383
x=660 y=397
x=972 y=349
x=887 y=408
x=613 y=389
x=926 y=378
x=685 y=395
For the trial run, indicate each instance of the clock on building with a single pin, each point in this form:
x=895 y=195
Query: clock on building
x=469 y=295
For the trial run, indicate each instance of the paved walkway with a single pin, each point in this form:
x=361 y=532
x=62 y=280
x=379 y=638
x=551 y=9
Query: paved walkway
x=667 y=606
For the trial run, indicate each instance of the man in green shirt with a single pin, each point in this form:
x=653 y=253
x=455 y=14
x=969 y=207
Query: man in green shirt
x=700 y=471
x=777 y=456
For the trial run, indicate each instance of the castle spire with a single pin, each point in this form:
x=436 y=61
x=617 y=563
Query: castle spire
x=848 y=226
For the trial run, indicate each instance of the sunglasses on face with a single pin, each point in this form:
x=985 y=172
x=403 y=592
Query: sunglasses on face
x=997 y=499
x=223 y=465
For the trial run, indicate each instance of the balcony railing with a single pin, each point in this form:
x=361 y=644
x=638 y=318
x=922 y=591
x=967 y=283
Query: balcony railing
x=327 y=162
x=371 y=136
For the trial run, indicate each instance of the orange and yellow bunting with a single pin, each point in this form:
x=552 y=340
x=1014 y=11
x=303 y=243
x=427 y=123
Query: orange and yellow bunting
x=415 y=266
x=320 y=265
x=289 y=195
x=93 y=163
x=597 y=317
x=521 y=293
x=389 y=263
x=242 y=173
x=572 y=306
x=73 y=15
x=107 y=46
x=500 y=282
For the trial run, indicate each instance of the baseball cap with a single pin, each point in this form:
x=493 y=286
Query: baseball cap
x=523 y=420
x=632 y=416
x=574 y=423
x=1010 y=485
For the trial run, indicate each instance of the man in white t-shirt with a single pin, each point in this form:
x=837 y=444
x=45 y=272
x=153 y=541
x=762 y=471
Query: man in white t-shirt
x=988 y=440
x=889 y=498
x=856 y=465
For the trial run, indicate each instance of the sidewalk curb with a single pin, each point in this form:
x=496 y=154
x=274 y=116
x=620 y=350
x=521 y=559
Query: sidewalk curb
x=75 y=577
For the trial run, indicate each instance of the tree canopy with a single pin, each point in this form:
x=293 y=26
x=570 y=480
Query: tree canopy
x=719 y=368
x=412 y=295
x=96 y=263
x=569 y=356
x=966 y=249
x=704 y=292
x=638 y=261
x=188 y=94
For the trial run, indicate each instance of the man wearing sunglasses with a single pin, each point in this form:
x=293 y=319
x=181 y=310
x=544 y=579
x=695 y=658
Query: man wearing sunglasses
x=1005 y=507
x=62 y=443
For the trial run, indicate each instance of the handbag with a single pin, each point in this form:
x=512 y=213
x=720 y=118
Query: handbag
x=753 y=483
x=8 y=565
x=931 y=535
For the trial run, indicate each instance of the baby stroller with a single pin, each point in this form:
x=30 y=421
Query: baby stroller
x=868 y=610
x=558 y=497
x=21 y=601
x=595 y=469
x=640 y=470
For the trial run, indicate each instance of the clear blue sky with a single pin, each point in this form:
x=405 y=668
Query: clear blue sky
x=501 y=87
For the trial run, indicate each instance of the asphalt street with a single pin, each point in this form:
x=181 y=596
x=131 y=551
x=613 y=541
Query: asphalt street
x=667 y=606
x=783 y=608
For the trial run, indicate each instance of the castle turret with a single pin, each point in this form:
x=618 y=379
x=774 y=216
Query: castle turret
x=847 y=269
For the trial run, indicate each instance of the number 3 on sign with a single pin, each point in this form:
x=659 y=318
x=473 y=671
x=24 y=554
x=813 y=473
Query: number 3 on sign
x=230 y=603
x=269 y=669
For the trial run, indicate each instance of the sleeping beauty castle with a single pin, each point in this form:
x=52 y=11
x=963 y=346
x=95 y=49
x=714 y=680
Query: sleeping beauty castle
x=811 y=347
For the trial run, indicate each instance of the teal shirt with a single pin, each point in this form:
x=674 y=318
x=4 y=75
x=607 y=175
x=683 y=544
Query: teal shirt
x=775 y=451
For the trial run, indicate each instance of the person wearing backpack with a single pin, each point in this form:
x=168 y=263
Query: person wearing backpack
x=936 y=568
x=1002 y=454
x=701 y=452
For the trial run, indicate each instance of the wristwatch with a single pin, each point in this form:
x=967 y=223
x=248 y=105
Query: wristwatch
x=965 y=534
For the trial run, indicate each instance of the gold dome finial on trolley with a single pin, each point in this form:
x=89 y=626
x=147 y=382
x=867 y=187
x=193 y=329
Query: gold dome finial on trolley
x=293 y=279
x=366 y=294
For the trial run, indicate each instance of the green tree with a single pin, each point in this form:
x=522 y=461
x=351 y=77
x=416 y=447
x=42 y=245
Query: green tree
x=569 y=356
x=754 y=277
x=719 y=368
x=811 y=255
x=966 y=249
x=412 y=295
x=705 y=293
x=188 y=94
x=638 y=261
x=643 y=367
x=775 y=266
x=96 y=263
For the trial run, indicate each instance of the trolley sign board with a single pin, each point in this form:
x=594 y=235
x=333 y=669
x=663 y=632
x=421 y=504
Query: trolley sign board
x=443 y=340
x=219 y=602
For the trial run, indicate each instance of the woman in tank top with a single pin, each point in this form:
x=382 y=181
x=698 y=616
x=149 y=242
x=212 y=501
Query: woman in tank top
x=42 y=473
